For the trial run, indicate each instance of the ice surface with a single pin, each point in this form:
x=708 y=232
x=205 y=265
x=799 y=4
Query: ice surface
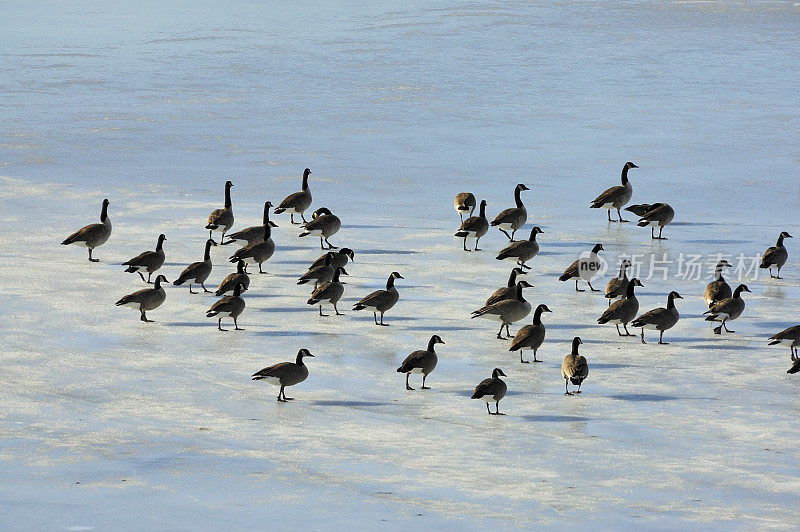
x=396 y=107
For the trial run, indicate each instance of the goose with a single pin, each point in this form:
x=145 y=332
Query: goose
x=148 y=261
x=324 y=224
x=197 y=272
x=329 y=291
x=659 y=215
x=298 y=202
x=574 y=368
x=464 y=204
x=521 y=251
x=616 y=197
x=640 y=209
x=616 y=287
x=789 y=337
x=624 y=310
x=574 y=270
x=92 y=235
x=660 y=319
x=509 y=291
x=491 y=391
x=795 y=366
x=232 y=306
x=530 y=336
x=506 y=311
x=222 y=219
x=774 y=257
x=230 y=281
x=146 y=298
x=513 y=218
x=474 y=227
x=381 y=300
x=251 y=234
x=727 y=309
x=257 y=252
x=718 y=289
x=421 y=361
x=285 y=374
x=320 y=274
x=338 y=259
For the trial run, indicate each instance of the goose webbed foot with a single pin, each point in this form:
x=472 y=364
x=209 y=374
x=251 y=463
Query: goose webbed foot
x=282 y=400
x=425 y=388
x=661 y=342
x=593 y=289
x=94 y=260
x=409 y=388
x=568 y=393
x=718 y=330
x=238 y=329
x=383 y=324
x=206 y=290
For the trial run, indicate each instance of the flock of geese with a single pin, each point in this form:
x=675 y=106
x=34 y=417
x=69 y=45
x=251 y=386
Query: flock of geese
x=506 y=305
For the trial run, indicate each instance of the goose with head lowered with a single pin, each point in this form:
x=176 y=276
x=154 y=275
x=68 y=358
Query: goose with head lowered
x=422 y=361
x=92 y=235
x=522 y=251
x=474 y=227
x=146 y=298
x=381 y=300
x=330 y=291
x=231 y=306
x=222 y=219
x=617 y=286
x=149 y=261
x=513 y=218
x=616 y=197
x=776 y=256
x=339 y=259
x=251 y=234
x=573 y=272
x=727 y=309
x=298 y=202
x=789 y=337
x=506 y=311
x=285 y=374
x=197 y=272
x=718 y=289
x=230 y=281
x=660 y=319
x=464 y=204
x=574 y=368
x=509 y=291
x=623 y=311
x=640 y=209
x=492 y=390
x=257 y=252
x=659 y=215
x=320 y=274
x=530 y=336
x=324 y=224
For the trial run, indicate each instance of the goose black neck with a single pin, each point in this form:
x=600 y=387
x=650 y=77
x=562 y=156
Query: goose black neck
x=266 y=214
x=157 y=283
x=267 y=231
x=299 y=359
x=104 y=212
x=305 y=180
x=625 y=175
x=227 y=196
x=575 y=343
x=160 y=244
x=390 y=282
x=483 y=209
x=207 y=254
x=519 y=292
x=737 y=294
x=237 y=290
x=517 y=198
x=240 y=267
x=629 y=291
x=670 y=301
x=780 y=241
x=335 y=276
x=623 y=271
x=718 y=273
x=327 y=259
x=537 y=315
x=431 y=343
x=512 y=279
x=532 y=238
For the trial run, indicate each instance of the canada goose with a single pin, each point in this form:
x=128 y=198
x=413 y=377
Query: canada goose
x=146 y=298
x=381 y=300
x=574 y=368
x=574 y=270
x=251 y=234
x=231 y=306
x=640 y=209
x=521 y=251
x=624 y=310
x=506 y=311
x=285 y=374
x=616 y=287
x=718 y=289
x=660 y=319
x=491 y=391
x=616 y=197
x=513 y=218
x=727 y=309
x=92 y=235
x=298 y=202
x=320 y=274
x=474 y=227
x=530 y=336
x=222 y=219
x=337 y=260
x=325 y=224
x=659 y=215
x=257 y=252
x=421 y=362
x=231 y=280
x=774 y=257
x=329 y=291
x=509 y=291
x=149 y=261
x=197 y=272
x=464 y=204
x=789 y=337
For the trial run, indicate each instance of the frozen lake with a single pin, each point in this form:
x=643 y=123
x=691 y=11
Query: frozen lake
x=396 y=107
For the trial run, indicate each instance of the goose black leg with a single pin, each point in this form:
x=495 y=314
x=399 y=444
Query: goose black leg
x=98 y=260
x=608 y=212
x=320 y=312
x=305 y=222
x=619 y=214
x=497 y=411
x=381 y=323
x=534 y=356
x=209 y=233
x=779 y=274
x=408 y=387
x=320 y=243
x=512 y=234
x=627 y=333
x=465 y=244
x=504 y=232
x=659 y=234
x=652 y=233
x=375 y=315
x=330 y=246
x=500 y=332
x=204 y=288
x=508 y=332
x=643 y=336
x=280 y=394
x=259 y=268
x=236 y=326
x=593 y=289
x=566 y=387
x=579 y=389
x=618 y=333
x=661 y=339
x=219 y=325
x=191 y=291
x=476 y=243
x=576 y=287
x=725 y=326
x=487 y=409
x=521 y=360
x=423 y=383
x=149 y=274
x=337 y=310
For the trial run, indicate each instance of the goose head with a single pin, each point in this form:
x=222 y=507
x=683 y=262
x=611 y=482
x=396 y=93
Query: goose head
x=497 y=372
x=304 y=353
